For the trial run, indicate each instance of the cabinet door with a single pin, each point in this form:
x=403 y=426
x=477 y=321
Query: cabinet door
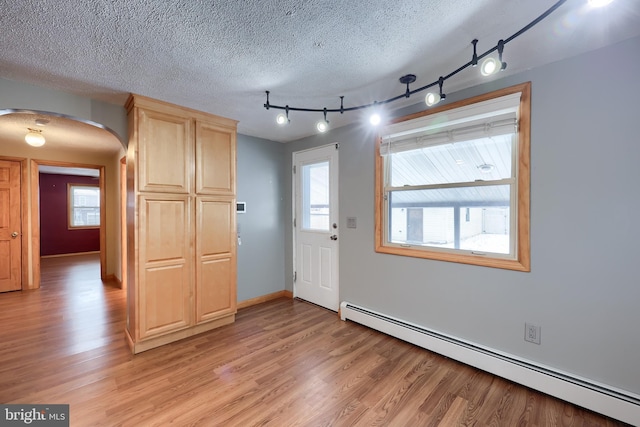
x=215 y=257
x=164 y=152
x=215 y=159
x=164 y=275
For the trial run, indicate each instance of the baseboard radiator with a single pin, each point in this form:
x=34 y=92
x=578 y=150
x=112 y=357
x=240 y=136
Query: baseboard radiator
x=600 y=398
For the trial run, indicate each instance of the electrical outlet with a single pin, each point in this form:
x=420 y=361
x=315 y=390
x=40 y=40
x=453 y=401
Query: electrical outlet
x=532 y=333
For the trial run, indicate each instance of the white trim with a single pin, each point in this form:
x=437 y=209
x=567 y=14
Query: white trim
x=602 y=398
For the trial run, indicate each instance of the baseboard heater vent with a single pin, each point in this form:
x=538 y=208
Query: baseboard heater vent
x=615 y=403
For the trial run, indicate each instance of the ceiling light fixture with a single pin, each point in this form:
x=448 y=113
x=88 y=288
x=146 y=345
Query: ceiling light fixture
x=489 y=66
x=433 y=98
x=323 y=125
x=34 y=138
x=283 y=119
x=375 y=118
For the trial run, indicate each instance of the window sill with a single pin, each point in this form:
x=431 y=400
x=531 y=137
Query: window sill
x=480 y=260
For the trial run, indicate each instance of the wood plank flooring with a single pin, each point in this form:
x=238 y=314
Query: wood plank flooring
x=283 y=363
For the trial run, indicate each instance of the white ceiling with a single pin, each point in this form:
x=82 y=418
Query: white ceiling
x=221 y=56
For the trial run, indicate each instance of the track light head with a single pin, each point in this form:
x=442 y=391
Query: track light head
x=375 y=119
x=431 y=99
x=434 y=98
x=281 y=119
x=322 y=126
x=490 y=66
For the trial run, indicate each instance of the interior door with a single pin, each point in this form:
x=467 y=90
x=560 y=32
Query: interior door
x=316 y=226
x=10 y=228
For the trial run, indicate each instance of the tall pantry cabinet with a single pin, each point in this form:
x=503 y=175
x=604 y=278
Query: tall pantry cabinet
x=181 y=254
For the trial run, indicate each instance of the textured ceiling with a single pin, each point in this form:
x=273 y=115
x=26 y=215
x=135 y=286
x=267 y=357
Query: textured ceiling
x=221 y=56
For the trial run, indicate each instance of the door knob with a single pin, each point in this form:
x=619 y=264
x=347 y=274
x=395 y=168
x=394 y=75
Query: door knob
x=334 y=237
x=14 y=234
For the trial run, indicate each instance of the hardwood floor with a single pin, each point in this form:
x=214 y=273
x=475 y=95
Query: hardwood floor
x=283 y=363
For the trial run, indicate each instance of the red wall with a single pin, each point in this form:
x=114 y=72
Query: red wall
x=55 y=236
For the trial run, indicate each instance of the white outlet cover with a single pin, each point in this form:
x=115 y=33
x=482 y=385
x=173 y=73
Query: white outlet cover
x=532 y=333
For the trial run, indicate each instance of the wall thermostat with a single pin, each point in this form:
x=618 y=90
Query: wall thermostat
x=241 y=207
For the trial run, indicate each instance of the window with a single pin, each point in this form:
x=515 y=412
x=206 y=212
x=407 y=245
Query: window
x=452 y=183
x=315 y=196
x=84 y=206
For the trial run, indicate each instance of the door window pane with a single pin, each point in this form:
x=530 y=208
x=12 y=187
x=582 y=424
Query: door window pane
x=315 y=196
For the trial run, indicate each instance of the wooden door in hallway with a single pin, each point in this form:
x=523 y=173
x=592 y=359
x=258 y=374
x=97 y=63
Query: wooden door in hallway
x=10 y=227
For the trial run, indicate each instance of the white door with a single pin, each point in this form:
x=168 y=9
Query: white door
x=316 y=226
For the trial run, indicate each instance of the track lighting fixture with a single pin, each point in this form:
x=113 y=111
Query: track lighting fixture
x=283 y=118
x=323 y=125
x=489 y=66
x=433 y=98
x=474 y=58
x=408 y=79
x=34 y=138
x=375 y=118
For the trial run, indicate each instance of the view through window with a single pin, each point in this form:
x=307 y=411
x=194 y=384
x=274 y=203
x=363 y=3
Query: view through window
x=452 y=185
x=84 y=206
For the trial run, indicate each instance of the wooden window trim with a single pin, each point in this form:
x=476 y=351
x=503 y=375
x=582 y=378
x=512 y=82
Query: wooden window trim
x=70 y=207
x=522 y=261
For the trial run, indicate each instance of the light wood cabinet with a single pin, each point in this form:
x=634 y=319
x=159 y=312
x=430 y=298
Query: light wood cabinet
x=164 y=152
x=181 y=219
x=215 y=257
x=215 y=159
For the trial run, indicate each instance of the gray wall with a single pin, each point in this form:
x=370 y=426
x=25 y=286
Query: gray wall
x=583 y=288
x=261 y=176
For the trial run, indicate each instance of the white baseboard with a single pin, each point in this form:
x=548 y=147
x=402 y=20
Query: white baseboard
x=614 y=403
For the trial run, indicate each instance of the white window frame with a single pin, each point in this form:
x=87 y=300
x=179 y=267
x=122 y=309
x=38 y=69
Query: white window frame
x=72 y=207
x=424 y=125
